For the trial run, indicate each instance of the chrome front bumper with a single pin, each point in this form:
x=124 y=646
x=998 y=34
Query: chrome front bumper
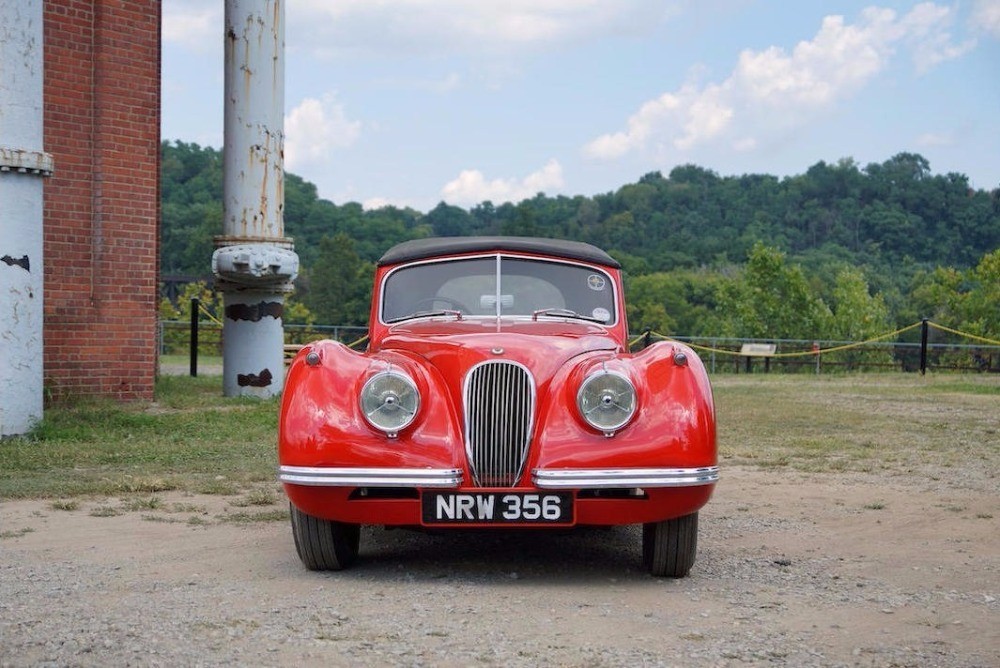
x=370 y=477
x=541 y=478
x=621 y=478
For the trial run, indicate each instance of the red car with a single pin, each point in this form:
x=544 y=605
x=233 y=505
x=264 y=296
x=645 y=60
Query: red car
x=497 y=391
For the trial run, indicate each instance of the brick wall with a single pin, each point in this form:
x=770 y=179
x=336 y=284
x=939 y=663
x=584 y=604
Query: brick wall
x=102 y=125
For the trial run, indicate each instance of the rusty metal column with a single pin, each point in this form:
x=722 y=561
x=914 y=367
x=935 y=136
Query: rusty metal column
x=22 y=164
x=254 y=263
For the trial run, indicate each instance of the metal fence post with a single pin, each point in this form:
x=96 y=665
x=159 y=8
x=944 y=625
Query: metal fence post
x=923 y=346
x=194 y=337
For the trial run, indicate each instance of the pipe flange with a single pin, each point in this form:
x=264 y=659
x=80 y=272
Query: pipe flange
x=255 y=264
x=22 y=161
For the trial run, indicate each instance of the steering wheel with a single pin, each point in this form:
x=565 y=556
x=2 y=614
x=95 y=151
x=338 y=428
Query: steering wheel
x=430 y=301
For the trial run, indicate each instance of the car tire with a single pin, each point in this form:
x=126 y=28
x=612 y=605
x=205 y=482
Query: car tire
x=669 y=547
x=324 y=545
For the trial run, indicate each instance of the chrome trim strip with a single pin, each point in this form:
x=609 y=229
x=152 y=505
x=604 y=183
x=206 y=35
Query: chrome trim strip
x=613 y=478
x=370 y=477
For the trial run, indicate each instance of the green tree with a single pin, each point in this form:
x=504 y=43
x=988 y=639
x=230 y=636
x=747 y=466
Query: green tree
x=771 y=300
x=982 y=307
x=858 y=316
x=677 y=303
x=339 y=284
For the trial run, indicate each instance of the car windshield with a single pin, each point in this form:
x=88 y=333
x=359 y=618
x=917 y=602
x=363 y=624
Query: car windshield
x=499 y=286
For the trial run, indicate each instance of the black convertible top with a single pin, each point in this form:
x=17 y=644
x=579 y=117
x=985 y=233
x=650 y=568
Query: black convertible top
x=419 y=249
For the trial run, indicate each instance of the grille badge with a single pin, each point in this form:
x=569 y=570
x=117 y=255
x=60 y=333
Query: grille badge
x=497 y=351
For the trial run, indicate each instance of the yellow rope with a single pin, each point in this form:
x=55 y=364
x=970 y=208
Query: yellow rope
x=635 y=340
x=736 y=353
x=965 y=334
x=211 y=317
x=361 y=340
x=804 y=353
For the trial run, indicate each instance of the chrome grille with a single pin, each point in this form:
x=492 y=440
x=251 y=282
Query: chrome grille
x=499 y=413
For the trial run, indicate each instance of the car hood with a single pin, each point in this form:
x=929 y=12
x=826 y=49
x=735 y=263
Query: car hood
x=543 y=347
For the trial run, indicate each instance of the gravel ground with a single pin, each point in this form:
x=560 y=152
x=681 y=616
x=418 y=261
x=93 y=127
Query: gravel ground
x=793 y=570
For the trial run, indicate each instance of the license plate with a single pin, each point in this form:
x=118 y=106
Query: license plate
x=497 y=508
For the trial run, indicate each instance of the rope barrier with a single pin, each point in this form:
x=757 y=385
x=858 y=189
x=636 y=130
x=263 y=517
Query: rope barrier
x=804 y=353
x=635 y=340
x=736 y=353
x=359 y=341
x=965 y=334
x=202 y=309
x=820 y=351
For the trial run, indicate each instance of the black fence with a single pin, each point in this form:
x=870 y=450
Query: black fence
x=176 y=337
x=920 y=347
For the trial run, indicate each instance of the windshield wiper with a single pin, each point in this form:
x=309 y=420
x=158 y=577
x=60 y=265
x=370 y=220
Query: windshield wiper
x=427 y=314
x=565 y=313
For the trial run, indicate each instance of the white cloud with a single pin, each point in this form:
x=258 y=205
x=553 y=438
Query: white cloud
x=316 y=128
x=194 y=24
x=471 y=186
x=436 y=26
x=986 y=17
x=773 y=90
x=926 y=29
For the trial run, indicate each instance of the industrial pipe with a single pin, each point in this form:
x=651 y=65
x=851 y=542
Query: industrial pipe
x=254 y=263
x=22 y=164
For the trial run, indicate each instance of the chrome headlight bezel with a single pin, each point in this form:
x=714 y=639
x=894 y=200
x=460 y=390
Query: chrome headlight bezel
x=607 y=401
x=389 y=401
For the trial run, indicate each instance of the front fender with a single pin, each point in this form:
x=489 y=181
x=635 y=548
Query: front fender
x=674 y=425
x=321 y=424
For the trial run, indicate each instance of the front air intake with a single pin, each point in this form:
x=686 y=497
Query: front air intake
x=499 y=415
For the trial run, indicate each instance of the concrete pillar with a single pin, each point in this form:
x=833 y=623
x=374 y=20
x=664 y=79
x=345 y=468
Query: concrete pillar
x=22 y=164
x=254 y=263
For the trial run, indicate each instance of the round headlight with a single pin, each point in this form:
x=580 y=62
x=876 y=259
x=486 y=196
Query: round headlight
x=606 y=401
x=389 y=401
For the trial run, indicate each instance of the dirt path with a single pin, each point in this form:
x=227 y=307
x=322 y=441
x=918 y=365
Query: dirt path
x=793 y=569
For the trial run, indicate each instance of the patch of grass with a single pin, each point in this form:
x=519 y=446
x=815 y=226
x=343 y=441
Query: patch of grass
x=217 y=487
x=189 y=435
x=250 y=518
x=874 y=506
x=140 y=485
x=186 y=508
x=877 y=423
x=257 y=497
x=150 y=503
x=16 y=533
x=65 y=505
x=105 y=511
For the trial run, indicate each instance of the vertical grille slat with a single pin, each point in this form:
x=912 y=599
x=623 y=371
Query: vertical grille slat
x=499 y=409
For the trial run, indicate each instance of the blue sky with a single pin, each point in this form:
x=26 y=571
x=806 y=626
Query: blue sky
x=413 y=102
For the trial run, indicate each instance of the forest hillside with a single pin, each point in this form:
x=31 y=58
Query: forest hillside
x=840 y=251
